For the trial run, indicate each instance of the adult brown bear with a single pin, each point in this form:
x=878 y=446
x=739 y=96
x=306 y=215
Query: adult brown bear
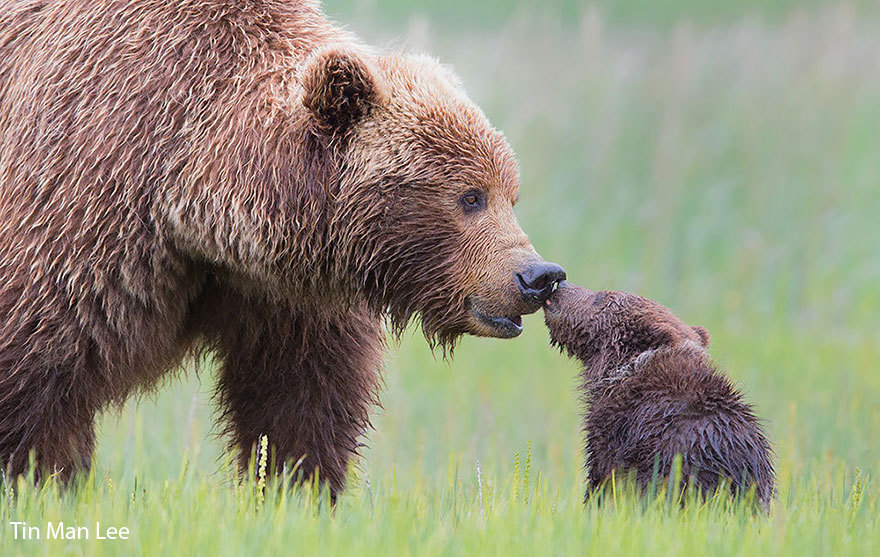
x=240 y=175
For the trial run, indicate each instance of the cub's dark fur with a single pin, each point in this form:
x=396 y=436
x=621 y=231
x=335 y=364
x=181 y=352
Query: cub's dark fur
x=653 y=392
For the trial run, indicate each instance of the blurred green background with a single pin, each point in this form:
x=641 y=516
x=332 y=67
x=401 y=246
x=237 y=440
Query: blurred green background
x=721 y=157
x=485 y=14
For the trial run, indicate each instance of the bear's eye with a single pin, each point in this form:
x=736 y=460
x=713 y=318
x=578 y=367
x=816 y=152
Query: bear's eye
x=473 y=201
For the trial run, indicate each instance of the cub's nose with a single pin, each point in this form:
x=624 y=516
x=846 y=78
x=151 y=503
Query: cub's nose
x=536 y=281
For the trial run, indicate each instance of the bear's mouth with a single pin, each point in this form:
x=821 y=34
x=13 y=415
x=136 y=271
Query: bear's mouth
x=502 y=326
x=550 y=304
x=551 y=308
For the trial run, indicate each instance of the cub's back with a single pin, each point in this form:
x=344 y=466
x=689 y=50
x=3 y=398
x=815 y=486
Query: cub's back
x=673 y=402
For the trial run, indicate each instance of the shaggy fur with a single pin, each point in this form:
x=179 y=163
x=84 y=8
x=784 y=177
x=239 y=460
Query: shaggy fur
x=654 y=393
x=244 y=177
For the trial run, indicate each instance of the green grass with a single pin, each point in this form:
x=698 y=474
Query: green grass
x=523 y=513
x=727 y=168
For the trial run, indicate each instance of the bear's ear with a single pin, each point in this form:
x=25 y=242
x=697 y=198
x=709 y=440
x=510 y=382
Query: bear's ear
x=703 y=334
x=339 y=88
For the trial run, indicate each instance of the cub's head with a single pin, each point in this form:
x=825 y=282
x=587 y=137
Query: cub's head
x=607 y=330
x=423 y=217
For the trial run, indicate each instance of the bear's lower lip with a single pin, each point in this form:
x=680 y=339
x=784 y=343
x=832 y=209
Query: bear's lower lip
x=502 y=327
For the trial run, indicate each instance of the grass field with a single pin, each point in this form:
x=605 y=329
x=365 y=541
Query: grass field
x=726 y=164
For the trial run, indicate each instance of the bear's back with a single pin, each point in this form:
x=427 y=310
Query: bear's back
x=676 y=403
x=120 y=119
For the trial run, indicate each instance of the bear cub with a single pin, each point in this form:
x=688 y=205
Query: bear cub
x=653 y=392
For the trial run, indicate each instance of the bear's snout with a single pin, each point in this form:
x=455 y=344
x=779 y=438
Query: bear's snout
x=537 y=281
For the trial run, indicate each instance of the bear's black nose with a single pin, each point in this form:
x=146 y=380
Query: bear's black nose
x=536 y=281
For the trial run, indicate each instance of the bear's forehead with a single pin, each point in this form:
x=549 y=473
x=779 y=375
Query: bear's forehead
x=429 y=115
x=468 y=149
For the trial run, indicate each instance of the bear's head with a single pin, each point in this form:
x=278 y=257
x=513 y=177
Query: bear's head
x=423 y=216
x=608 y=330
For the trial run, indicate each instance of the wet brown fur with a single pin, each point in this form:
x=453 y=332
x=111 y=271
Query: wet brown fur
x=239 y=176
x=653 y=392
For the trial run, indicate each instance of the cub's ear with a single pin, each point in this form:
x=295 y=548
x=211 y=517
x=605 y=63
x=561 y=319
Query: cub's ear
x=703 y=334
x=339 y=89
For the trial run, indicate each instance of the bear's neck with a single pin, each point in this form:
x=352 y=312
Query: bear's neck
x=609 y=374
x=600 y=383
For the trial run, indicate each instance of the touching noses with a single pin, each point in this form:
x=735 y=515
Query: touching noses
x=536 y=281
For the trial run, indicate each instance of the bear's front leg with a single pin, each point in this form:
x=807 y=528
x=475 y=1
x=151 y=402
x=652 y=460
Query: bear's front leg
x=305 y=378
x=48 y=415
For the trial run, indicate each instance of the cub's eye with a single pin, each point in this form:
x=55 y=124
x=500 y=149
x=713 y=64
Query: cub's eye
x=473 y=201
